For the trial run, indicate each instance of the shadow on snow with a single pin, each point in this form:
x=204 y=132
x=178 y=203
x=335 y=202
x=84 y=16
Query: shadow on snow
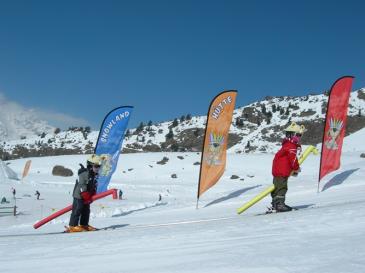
x=338 y=179
x=231 y=195
x=140 y=209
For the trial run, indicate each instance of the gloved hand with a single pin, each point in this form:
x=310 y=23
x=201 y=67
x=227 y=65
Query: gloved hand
x=295 y=173
x=86 y=197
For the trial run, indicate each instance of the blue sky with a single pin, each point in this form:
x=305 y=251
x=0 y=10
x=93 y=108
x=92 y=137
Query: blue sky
x=170 y=58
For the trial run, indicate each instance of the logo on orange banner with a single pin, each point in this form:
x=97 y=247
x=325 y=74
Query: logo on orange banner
x=215 y=149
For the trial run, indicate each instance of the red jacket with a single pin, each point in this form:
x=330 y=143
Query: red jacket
x=285 y=160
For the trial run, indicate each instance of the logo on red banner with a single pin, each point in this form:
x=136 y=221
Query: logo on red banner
x=333 y=133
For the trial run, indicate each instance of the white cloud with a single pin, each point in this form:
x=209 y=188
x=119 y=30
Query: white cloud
x=60 y=120
x=52 y=118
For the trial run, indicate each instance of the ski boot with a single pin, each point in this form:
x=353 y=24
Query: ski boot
x=281 y=207
x=288 y=207
x=72 y=229
x=89 y=228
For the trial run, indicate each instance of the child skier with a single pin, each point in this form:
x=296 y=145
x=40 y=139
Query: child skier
x=285 y=163
x=84 y=189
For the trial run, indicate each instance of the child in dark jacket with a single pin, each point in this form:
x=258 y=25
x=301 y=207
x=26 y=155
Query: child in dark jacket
x=83 y=192
x=285 y=163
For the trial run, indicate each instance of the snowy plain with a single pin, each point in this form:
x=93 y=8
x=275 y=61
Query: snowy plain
x=147 y=235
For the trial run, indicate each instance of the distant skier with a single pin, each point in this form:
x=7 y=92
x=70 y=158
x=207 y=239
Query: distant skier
x=286 y=163
x=13 y=192
x=84 y=189
x=37 y=193
x=120 y=194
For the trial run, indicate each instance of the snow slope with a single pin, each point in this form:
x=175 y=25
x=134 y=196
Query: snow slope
x=146 y=235
x=354 y=142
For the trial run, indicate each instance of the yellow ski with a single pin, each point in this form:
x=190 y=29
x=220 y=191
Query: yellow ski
x=257 y=198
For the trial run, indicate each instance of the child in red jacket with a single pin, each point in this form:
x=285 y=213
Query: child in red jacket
x=284 y=164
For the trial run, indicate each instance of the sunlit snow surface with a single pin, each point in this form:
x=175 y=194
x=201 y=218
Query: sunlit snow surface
x=171 y=235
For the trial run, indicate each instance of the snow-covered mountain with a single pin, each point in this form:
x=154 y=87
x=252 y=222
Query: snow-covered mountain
x=17 y=122
x=256 y=127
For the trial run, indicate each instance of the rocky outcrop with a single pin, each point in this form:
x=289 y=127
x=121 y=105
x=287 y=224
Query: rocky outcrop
x=61 y=171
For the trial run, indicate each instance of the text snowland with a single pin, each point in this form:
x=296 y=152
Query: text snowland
x=109 y=126
x=219 y=108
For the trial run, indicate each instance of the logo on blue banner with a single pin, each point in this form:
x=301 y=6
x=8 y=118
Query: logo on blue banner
x=109 y=143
